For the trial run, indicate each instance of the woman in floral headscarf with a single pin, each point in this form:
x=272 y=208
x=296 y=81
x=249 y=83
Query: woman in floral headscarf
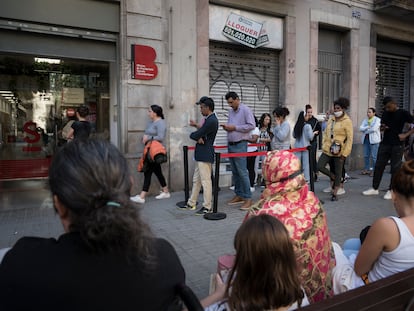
x=288 y=198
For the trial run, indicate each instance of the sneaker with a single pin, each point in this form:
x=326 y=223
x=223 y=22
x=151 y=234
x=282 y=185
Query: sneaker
x=387 y=196
x=236 y=200
x=163 y=195
x=371 y=191
x=252 y=189
x=202 y=211
x=137 y=199
x=246 y=206
x=327 y=190
x=231 y=188
x=340 y=191
x=347 y=177
x=187 y=207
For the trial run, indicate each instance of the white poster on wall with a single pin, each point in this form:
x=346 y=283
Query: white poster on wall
x=250 y=29
x=242 y=29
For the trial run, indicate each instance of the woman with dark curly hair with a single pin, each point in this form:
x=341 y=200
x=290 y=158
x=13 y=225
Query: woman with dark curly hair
x=107 y=259
x=336 y=144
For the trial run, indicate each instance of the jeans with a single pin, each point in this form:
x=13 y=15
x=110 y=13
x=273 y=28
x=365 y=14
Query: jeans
x=385 y=153
x=201 y=177
x=370 y=151
x=303 y=156
x=239 y=170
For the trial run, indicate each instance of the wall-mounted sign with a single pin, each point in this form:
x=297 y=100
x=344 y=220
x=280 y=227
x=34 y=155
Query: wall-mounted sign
x=143 y=66
x=73 y=95
x=250 y=29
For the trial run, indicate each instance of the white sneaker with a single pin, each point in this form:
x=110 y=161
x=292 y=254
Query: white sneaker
x=327 y=190
x=252 y=189
x=163 y=195
x=231 y=188
x=371 y=191
x=387 y=196
x=340 y=191
x=137 y=199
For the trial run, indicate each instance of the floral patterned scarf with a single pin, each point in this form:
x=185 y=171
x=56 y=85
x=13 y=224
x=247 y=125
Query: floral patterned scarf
x=288 y=198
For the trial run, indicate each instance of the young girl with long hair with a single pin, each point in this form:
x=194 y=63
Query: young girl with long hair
x=264 y=275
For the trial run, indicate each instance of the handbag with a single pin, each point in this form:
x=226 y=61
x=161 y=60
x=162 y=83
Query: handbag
x=336 y=146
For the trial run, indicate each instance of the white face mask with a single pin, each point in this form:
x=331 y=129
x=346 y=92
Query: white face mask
x=338 y=113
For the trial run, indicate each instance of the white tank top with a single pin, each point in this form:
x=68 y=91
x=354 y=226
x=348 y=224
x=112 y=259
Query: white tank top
x=400 y=259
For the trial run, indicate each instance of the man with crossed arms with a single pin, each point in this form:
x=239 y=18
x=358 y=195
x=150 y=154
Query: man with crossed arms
x=204 y=156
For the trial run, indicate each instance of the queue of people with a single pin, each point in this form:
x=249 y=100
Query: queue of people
x=285 y=257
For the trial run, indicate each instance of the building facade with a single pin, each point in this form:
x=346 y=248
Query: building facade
x=120 y=57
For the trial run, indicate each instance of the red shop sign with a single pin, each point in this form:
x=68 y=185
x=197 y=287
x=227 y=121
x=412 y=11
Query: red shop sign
x=143 y=66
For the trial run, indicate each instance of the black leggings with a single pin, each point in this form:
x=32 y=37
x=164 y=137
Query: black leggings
x=250 y=167
x=156 y=169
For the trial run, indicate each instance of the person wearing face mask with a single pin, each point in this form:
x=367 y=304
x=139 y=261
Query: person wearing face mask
x=336 y=144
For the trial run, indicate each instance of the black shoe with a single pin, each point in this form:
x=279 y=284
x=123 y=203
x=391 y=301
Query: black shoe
x=334 y=198
x=187 y=207
x=202 y=211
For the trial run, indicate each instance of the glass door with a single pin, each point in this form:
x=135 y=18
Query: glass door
x=38 y=96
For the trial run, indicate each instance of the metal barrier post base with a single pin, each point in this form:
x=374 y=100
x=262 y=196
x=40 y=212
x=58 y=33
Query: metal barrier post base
x=181 y=204
x=215 y=216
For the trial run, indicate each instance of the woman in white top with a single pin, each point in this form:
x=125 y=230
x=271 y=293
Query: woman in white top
x=389 y=245
x=371 y=138
x=281 y=131
x=264 y=275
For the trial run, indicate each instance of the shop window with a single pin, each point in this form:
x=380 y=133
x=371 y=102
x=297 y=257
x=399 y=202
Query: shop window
x=37 y=97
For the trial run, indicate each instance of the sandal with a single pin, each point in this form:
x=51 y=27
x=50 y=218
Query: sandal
x=334 y=198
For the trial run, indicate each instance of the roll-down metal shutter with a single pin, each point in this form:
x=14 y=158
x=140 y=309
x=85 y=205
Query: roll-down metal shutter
x=252 y=73
x=393 y=79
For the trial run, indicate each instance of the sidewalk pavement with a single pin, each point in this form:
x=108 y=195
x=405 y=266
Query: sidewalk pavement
x=26 y=209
